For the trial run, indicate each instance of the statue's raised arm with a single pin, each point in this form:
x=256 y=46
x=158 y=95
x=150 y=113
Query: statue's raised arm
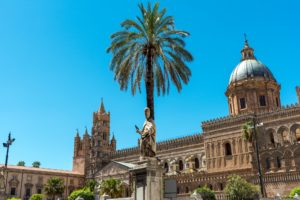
x=147 y=141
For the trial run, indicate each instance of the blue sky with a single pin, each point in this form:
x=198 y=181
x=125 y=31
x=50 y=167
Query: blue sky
x=54 y=68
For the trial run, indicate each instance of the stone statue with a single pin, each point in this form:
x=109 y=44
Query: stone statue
x=147 y=142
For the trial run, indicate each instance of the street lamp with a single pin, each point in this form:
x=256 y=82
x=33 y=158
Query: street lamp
x=7 y=145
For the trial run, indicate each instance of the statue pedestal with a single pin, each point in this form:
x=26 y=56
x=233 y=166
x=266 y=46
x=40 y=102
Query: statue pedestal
x=147 y=180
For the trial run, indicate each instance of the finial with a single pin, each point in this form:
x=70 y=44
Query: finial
x=101 y=109
x=77 y=132
x=86 y=131
x=113 y=137
x=245 y=38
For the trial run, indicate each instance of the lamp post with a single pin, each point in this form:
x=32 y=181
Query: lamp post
x=7 y=145
x=261 y=181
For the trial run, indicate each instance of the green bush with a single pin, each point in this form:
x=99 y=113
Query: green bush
x=238 y=188
x=86 y=194
x=294 y=191
x=37 y=197
x=14 y=199
x=206 y=193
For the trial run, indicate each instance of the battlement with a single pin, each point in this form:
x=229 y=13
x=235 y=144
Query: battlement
x=163 y=145
x=236 y=120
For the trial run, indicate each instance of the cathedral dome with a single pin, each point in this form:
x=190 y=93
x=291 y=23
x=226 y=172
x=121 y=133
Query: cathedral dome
x=250 y=68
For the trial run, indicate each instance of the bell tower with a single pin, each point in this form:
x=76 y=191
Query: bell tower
x=101 y=145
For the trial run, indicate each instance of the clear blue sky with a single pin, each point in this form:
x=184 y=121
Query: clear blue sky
x=54 y=68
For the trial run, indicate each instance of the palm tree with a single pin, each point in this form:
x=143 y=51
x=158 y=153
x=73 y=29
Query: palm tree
x=112 y=187
x=54 y=187
x=250 y=135
x=247 y=130
x=36 y=164
x=21 y=163
x=152 y=50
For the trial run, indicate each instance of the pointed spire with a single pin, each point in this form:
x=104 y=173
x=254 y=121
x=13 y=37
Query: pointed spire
x=101 y=109
x=113 y=137
x=247 y=51
x=77 y=133
x=86 y=131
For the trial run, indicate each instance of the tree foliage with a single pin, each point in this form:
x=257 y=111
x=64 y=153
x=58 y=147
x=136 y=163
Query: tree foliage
x=91 y=185
x=54 y=187
x=14 y=199
x=36 y=164
x=85 y=193
x=247 y=130
x=150 y=49
x=206 y=193
x=37 y=197
x=294 y=191
x=21 y=163
x=238 y=188
x=111 y=187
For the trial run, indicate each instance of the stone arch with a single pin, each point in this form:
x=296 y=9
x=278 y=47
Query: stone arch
x=283 y=132
x=227 y=149
x=297 y=158
x=271 y=137
x=180 y=165
x=287 y=157
x=166 y=167
x=295 y=133
x=187 y=189
x=197 y=162
x=266 y=161
x=278 y=159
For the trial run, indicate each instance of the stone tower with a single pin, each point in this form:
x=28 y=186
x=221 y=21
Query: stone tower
x=101 y=145
x=81 y=153
x=252 y=86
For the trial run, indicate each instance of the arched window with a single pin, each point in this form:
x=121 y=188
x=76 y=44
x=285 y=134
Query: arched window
x=221 y=186
x=268 y=165
x=178 y=190
x=272 y=140
x=166 y=167
x=297 y=133
x=197 y=164
x=228 y=151
x=180 y=163
x=278 y=161
x=187 y=190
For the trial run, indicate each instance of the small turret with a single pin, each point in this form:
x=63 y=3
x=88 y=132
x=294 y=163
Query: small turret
x=113 y=143
x=298 y=94
x=77 y=143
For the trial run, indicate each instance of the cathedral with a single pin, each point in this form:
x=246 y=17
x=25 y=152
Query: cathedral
x=207 y=158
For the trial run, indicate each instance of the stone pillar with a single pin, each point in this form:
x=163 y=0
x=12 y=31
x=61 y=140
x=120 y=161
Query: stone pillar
x=147 y=180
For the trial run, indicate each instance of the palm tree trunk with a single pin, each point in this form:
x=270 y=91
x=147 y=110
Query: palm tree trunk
x=150 y=83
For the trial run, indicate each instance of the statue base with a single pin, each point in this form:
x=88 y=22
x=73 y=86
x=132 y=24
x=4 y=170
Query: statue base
x=147 y=180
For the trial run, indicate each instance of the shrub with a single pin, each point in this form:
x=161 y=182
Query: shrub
x=37 y=197
x=206 y=193
x=238 y=188
x=294 y=191
x=14 y=199
x=86 y=194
